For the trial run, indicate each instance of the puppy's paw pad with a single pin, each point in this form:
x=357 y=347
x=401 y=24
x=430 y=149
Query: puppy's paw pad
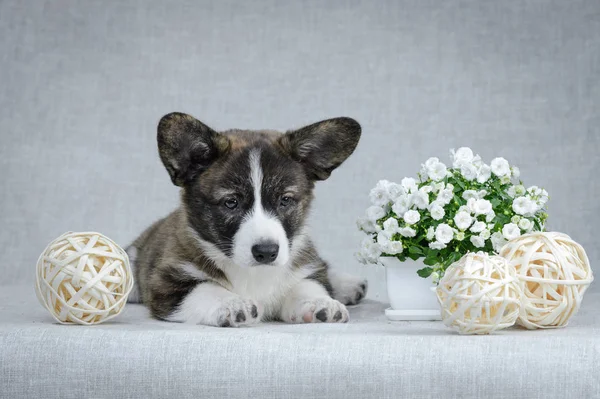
x=237 y=312
x=320 y=310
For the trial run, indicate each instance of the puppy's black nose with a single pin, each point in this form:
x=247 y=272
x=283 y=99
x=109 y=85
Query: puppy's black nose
x=265 y=252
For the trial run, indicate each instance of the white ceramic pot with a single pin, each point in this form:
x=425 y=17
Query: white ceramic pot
x=411 y=297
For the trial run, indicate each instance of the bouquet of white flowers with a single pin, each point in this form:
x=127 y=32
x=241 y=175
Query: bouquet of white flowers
x=450 y=211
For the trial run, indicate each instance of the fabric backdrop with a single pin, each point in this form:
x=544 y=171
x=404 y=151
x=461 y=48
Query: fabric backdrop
x=83 y=85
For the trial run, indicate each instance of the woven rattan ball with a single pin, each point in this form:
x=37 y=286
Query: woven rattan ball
x=554 y=272
x=83 y=278
x=479 y=294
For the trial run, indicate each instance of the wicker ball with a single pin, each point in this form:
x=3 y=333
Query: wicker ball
x=83 y=278
x=554 y=273
x=479 y=294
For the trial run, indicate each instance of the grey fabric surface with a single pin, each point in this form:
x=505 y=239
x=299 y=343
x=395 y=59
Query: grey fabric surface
x=83 y=85
x=137 y=357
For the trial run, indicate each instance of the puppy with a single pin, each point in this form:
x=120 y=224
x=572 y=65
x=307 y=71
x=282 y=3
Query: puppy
x=237 y=251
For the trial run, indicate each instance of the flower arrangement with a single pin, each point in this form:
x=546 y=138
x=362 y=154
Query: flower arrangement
x=450 y=211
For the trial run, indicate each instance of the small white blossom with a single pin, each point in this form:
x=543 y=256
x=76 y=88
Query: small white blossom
x=504 y=180
x=463 y=220
x=407 y=232
x=468 y=194
x=390 y=226
x=420 y=199
x=500 y=167
x=430 y=233
x=401 y=205
x=460 y=236
x=478 y=227
x=484 y=173
x=383 y=239
x=520 y=190
x=444 y=233
x=498 y=241
x=394 y=248
x=445 y=196
x=523 y=206
x=426 y=189
x=412 y=217
x=379 y=195
x=516 y=173
x=370 y=250
x=409 y=184
x=515 y=219
x=477 y=241
x=437 y=211
x=525 y=224
x=512 y=191
x=482 y=207
x=468 y=171
x=464 y=208
x=366 y=225
x=374 y=213
x=485 y=234
x=437 y=245
x=395 y=191
x=490 y=216
x=477 y=162
x=510 y=231
x=435 y=277
x=437 y=171
x=461 y=156
x=437 y=187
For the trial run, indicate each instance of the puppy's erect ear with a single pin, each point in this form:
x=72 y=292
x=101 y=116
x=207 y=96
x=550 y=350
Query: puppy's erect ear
x=322 y=146
x=187 y=146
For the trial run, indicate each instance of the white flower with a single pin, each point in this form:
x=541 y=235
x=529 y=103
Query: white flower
x=510 y=231
x=409 y=184
x=395 y=191
x=379 y=195
x=511 y=192
x=445 y=196
x=394 y=247
x=523 y=206
x=437 y=187
x=461 y=156
x=383 y=239
x=419 y=199
x=464 y=208
x=485 y=234
x=437 y=211
x=478 y=227
x=468 y=194
x=463 y=220
x=490 y=216
x=412 y=217
x=444 y=233
x=360 y=258
x=401 y=205
x=525 y=224
x=520 y=190
x=435 y=277
x=498 y=241
x=435 y=169
x=516 y=172
x=437 y=245
x=515 y=219
x=460 y=236
x=484 y=173
x=374 y=213
x=426 y=189
x=468 y=171
x=430 y=233
x=477 y=241
x=390 y=226
x=407 y=232
x=482 y=207
x=366 y=225
x=534 y=190
x=370 y=250
x=504 y=180
x=500 y=167
x=477 y=162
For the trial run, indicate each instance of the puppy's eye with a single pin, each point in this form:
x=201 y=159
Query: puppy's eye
x=231 y=203
x=286 y=201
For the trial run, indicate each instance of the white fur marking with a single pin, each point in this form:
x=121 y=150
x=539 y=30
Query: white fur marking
x=258 y=226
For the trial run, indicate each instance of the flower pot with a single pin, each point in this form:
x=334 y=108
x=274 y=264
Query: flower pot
x=411 y=297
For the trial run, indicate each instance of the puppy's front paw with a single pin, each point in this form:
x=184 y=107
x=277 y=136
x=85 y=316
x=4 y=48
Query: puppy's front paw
x=349 y=289
x=236 y=312
x=316 y=310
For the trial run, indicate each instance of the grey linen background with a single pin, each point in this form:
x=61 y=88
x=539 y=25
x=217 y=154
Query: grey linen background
x=83 y=85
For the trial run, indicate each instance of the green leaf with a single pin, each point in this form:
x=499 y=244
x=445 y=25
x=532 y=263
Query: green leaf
x=430 y=261
x=413 y=256
x=415 y=250
x=425 y=272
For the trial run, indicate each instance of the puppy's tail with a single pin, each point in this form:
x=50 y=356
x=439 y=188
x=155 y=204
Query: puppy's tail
x=134 y=295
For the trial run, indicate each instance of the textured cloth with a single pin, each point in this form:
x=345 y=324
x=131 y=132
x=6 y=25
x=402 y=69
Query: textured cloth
x=137 y=357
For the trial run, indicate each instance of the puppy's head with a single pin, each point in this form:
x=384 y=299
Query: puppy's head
x=247 y=193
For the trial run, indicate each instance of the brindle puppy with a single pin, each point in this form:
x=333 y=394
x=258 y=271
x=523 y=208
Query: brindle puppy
x=236 y=251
